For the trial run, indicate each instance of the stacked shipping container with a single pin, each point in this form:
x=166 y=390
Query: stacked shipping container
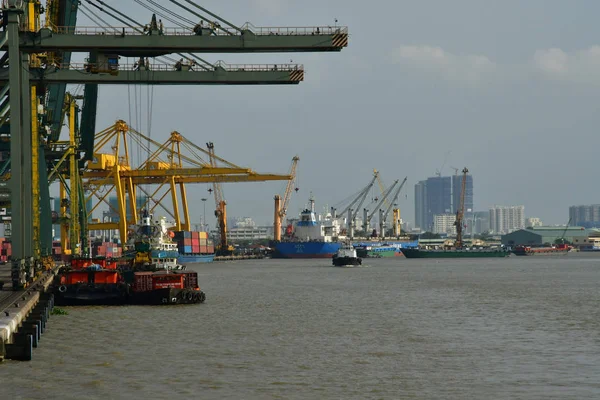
x=5 y=251
x=193 y=242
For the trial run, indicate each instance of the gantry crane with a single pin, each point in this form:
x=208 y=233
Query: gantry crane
x=460 y=212
x=383 y=217
x=112 y=170
x=281 y=207
x=33 y=50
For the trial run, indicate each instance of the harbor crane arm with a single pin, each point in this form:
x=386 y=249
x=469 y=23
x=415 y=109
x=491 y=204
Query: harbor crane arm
x=281 y=207
x=221 y=210
x=360 y=198
x=289 y=187
x=461 y=210
x=161 y=74
x=378 y=205
x=394 y=199
x=131 y=42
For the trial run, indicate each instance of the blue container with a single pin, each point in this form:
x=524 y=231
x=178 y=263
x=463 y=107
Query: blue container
x=187 y=249
x=187 y=235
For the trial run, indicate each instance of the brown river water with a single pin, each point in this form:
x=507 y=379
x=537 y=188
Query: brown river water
x=515 y=328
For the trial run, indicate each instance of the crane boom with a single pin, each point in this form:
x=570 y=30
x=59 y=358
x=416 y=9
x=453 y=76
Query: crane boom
x=394 y=198
x=221 y=205
x=281 y=207
x=461 y=210
x=385 y=195
x=362 y=194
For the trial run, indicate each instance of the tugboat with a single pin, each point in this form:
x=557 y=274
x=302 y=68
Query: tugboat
x=90 y=282
x=346 y=255
x=154 y=274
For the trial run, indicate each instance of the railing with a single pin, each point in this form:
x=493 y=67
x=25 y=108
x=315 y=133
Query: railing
x=184 y=67
x=260 y=31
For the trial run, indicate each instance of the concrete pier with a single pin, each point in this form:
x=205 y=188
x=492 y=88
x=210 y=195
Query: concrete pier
x=24 y=314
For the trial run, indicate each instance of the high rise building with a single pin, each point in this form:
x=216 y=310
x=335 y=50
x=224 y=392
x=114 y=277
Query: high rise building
x=440 y=195
x=456 y=189
x=533 y=222
x=587 y=216
x=444 y=224
x=506 y=219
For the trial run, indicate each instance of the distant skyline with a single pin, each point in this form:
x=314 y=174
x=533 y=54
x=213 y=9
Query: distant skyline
x=508 y=89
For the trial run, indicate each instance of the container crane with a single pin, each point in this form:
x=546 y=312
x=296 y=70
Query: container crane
x=389 y=208
x=461 y=211
x=367 y=217
x=223 y=248
x=281 y=207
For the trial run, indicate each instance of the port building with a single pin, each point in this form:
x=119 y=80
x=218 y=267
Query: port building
x=541 y=235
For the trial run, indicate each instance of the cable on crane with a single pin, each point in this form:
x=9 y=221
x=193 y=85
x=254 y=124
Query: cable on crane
x=204 y=18
x=115 y=17
x=118 y=12
x=214 y=15
x=83 y=11
x=159 y=14
x=165 y=9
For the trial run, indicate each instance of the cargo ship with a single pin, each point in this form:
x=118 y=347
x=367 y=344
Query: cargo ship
x=89 y=281
x=309 y=237
x=155 y=276
x=378 y=250
x=455 y=253
x=194 y=247
x=541 y=251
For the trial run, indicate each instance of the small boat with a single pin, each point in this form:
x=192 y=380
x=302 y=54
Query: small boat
x=90 y=282
x=155 y=276
x=346 y=255
x=541 y=251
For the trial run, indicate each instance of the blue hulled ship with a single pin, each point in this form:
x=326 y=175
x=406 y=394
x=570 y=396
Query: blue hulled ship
x=311 y=237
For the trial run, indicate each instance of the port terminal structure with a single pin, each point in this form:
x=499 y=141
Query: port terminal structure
x=36 y=66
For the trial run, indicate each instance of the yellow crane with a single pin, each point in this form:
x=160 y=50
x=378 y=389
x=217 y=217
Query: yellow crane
x=223 y=248
x=281 y=207
x=167 y=169
x=461 y=211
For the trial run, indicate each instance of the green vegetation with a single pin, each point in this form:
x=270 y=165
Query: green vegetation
x=58 y=311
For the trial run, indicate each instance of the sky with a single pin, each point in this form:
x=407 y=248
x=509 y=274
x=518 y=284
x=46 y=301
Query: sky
x=506 y=88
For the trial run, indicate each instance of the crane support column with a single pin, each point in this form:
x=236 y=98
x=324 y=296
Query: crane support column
x=277 y=219
x=20 y=145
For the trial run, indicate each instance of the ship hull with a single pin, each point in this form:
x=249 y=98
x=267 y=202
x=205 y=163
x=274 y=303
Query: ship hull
x=167 y=296
x=306 y=249
x=195 y=258
x=86 y=295
x=421 y=253
x=379 y=253
x=344 y=261
x=554 y=252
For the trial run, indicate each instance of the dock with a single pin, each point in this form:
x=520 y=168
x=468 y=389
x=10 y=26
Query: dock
x=24 y=314
x=240 y=257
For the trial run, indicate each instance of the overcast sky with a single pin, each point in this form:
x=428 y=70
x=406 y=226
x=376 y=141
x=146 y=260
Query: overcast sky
x=507 y=88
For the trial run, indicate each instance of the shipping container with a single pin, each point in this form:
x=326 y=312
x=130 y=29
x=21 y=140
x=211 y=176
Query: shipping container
x=142 y=281
x=210 y=249
x=187 y=249
x=195 y=242
x=203 y=235
x=203 y=242
x=195 y=235
x=187 y=234
x=196 y=249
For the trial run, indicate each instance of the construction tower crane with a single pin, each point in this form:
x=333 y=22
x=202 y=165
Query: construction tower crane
x=281 y=207
x=383 y=217
x=223 y=248
x=367 y=217
x=460 y=213
x=358 y=202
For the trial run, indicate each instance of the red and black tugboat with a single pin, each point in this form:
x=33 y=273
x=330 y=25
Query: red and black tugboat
x=154 y=274
x=88 y=281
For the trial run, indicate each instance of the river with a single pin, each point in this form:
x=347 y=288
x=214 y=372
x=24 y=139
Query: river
x=515 y=328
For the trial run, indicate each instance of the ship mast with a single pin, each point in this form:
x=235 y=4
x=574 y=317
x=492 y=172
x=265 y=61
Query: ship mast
x=461 y=211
